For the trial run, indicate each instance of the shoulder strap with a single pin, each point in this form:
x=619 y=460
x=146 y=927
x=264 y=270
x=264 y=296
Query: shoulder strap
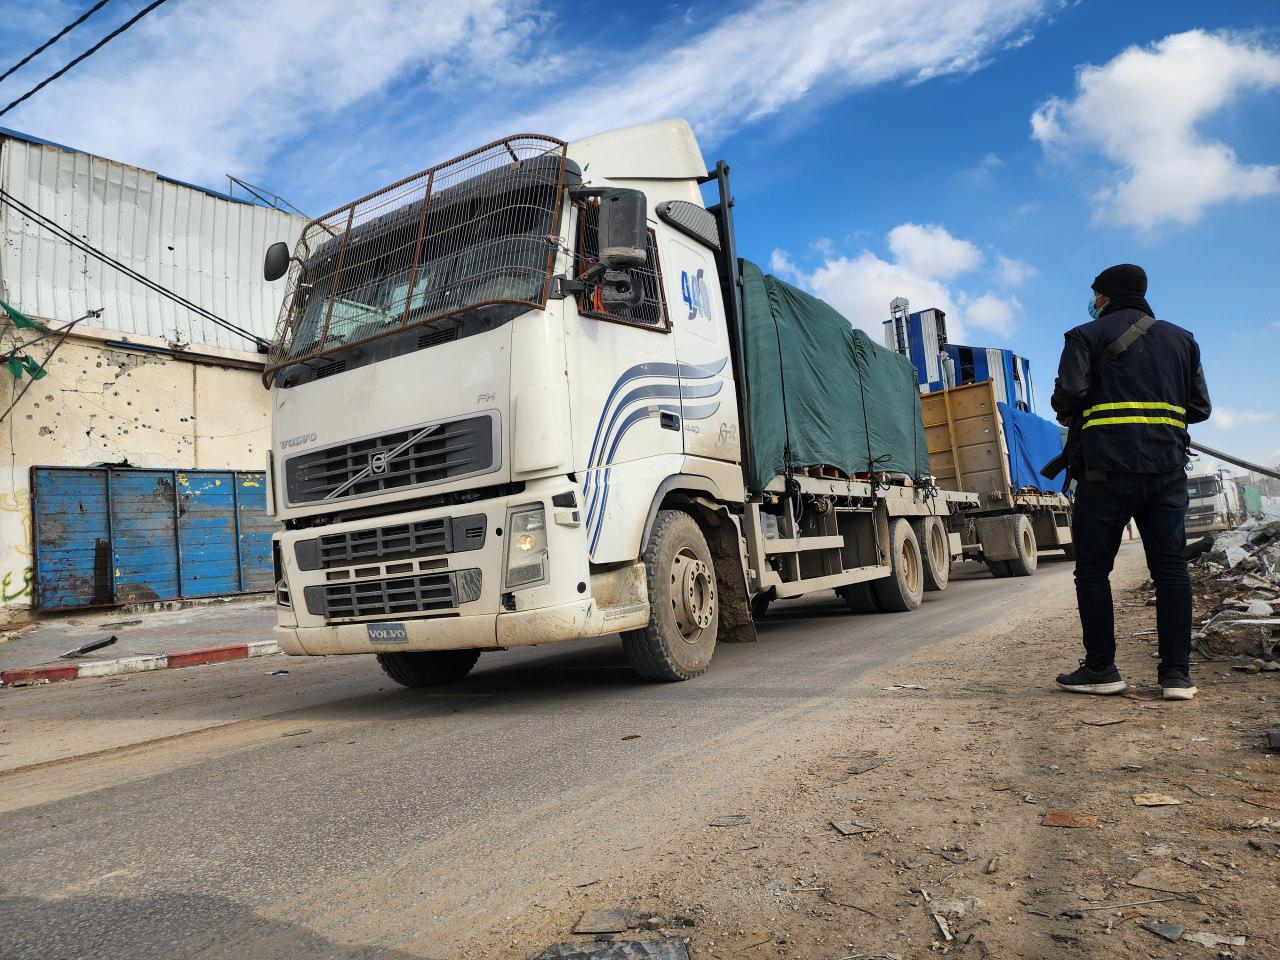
x=1123 y=342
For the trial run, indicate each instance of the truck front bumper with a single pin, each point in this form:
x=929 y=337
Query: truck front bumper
x=363 y=564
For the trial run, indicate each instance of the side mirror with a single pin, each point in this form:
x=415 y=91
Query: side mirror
x=276 y=263
x=624 y=234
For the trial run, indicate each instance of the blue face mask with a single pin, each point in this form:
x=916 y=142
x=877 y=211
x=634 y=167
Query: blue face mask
x=1094 y=310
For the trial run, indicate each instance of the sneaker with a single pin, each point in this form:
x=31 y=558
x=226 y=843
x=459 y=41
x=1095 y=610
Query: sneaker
x=1177 y=685
x=1102 y=682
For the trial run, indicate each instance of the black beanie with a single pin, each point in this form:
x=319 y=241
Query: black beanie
x=1122 y=280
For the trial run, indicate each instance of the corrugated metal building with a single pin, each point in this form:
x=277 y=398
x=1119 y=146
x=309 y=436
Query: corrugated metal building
x=167 y=399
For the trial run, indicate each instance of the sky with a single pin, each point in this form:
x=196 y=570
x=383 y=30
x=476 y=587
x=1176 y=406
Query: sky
x=988 y=157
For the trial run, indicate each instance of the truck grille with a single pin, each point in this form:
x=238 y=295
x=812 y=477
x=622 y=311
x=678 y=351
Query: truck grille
x=426 y=538
x=372 y=598
x=414 y=457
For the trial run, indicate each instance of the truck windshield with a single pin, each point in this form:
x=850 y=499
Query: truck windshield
x=475 y=232
x=1203 y=486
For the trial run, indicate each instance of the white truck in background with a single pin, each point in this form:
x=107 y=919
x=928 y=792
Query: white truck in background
x=509 y=409
x=1213 y=500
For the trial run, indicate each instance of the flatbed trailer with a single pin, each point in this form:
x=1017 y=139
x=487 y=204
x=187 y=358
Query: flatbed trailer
x=967 y=450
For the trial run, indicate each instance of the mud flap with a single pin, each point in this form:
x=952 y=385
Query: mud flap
x=736 y=622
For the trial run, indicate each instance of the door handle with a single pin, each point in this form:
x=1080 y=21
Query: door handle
x=670 y=421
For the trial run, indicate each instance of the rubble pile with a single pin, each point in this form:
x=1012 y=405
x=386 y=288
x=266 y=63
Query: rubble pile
x=1236 y=585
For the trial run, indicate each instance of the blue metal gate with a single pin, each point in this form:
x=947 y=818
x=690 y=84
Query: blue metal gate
x=112 y=535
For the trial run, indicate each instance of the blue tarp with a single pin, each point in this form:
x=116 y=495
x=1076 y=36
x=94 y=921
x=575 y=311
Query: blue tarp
x=1032 y=441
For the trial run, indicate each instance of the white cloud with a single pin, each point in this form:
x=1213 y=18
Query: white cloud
x=199 y=90
x=931 y=251
x=1140 y=111
x=861 y=287
x=925 y=262
x=1225 y=419
x=981 y=171
x=769 y=56
x=1014 y=273
x=990 y=312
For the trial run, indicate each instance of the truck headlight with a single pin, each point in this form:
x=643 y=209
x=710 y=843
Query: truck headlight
x=526 y=547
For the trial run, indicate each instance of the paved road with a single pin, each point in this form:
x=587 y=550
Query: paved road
x=227 y=812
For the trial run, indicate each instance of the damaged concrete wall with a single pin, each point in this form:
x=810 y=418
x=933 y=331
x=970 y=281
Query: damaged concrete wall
x=103 y=404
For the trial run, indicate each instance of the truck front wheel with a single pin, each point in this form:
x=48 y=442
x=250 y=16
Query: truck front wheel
x=684 y=611
x=903 y=589
x=428 y=669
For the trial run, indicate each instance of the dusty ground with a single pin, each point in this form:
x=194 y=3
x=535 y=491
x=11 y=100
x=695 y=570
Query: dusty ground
x=956 y=780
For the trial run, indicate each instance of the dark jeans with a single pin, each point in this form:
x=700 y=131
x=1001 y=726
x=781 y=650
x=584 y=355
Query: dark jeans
x=1158 y=502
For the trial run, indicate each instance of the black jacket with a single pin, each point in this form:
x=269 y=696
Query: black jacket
x=1130 y=414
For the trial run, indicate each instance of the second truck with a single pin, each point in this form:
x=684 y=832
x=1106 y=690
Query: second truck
x=532 y=395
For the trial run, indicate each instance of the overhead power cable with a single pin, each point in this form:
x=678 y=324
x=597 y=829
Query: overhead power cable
x=85 y=247
x=54 y=39
x=84 y=56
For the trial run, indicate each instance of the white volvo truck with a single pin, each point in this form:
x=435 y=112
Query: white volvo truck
x=509 y=409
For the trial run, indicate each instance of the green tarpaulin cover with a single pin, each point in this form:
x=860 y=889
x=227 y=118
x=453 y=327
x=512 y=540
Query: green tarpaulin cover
x=838 y=397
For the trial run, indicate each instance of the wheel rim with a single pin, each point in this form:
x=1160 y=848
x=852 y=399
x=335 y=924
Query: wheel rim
x=1028 y=543
x=693 y=595
x=910 y=566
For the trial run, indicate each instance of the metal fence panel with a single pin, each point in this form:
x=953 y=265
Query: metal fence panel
x=107 y=536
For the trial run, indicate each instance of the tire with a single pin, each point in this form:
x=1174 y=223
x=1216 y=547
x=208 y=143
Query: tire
x=903 y=589
x=936 y=547
x=760 y=604
x=859 y=598
x=684 y=609
x=428 y=669
x=1069 y=551
x=1025 y=563
x=998 y=568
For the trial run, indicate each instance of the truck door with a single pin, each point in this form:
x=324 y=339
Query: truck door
x=625 y=399
x=709 y=409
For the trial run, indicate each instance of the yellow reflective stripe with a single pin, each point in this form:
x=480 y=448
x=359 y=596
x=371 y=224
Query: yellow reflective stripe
x=1136 y=405
x=1109 y=421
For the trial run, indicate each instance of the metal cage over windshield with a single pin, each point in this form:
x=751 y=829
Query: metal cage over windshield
x=476 y=231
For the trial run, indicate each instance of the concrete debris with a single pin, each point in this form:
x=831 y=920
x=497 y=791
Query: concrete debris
x=943 y=928
x=955 y=907
x=1207 y=939
x=668 y=948
x=1236 y=584
x=1168 y=931
x=602 y=921
x=1156 y=800
x=731 y=820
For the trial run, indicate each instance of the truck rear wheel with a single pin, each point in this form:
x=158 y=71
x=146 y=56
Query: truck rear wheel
x=684 y=610
x=428 y=669
x=1025 y=563
x=903 y=589
x=859 y=598
x=936 y=547
x=998 y=568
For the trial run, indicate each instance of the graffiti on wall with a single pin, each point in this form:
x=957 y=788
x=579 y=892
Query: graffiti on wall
x=16 y=583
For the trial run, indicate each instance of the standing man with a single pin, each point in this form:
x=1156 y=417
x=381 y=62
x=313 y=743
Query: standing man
x=1127 y=387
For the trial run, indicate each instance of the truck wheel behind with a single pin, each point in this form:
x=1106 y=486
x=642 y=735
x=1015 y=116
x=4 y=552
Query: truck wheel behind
x=859 y=598
x=903 y=589
x=684 y=612
x=760 y=605
x=932 y=535
x=428 y=669
x=998 y=568
x=1025 y=563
